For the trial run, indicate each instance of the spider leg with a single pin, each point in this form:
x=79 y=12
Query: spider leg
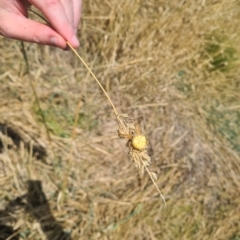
x=129 y=144
x=137 y=128
x=125 y=135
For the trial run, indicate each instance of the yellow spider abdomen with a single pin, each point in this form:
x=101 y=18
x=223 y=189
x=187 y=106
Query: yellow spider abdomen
x=139 y=142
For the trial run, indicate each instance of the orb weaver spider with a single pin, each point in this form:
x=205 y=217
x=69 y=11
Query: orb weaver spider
x=132 y=132
x=137 y=144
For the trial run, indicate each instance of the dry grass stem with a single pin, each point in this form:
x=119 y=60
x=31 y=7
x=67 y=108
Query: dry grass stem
x=137 y=142
x=100 y=85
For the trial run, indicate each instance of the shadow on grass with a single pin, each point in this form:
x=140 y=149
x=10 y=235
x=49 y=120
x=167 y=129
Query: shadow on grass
x=6 y=216
x=6 y=232
x=37 y=206
x=38 y=151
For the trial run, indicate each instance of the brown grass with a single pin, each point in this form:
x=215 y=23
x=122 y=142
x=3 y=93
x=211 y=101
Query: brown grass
x=173 y=66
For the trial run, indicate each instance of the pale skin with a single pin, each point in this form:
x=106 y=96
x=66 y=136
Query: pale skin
x=63 y=16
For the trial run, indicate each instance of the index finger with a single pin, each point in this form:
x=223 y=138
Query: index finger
x=55 y=14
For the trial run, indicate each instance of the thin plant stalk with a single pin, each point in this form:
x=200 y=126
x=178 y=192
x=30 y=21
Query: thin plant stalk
x=124 y=131
x=123 y=125
x=100 y=85
x=154 y=182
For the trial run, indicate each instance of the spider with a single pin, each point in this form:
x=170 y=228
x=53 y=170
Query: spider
x=136 y=140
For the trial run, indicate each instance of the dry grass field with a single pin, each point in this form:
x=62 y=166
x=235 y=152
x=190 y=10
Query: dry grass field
x=173 y=66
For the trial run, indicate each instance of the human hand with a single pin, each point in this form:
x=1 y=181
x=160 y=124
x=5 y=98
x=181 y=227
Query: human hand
x=63 y=15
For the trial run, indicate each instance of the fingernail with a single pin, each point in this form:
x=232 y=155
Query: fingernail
x=75 y=41
x=54 y=41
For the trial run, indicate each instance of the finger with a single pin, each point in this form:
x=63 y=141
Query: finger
x=68 y=8
x=55 y=13
x=25 y=3
x=14 y=7
x=77 y=8
x=28 y=30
